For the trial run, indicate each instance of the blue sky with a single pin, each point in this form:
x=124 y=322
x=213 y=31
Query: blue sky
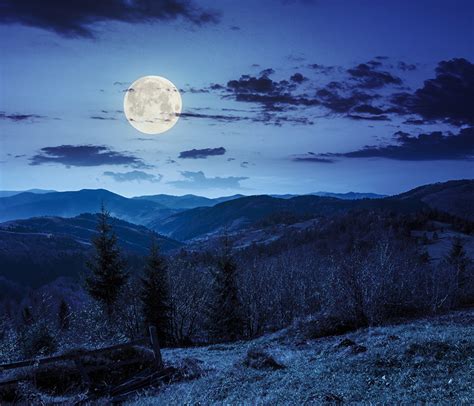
x=379 y=127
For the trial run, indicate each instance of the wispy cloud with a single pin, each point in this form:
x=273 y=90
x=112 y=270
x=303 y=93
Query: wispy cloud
x=133 y=176
x=202 y=153
x=197 y=180
x=85 y=155
x=77 y=18
x=423 y=147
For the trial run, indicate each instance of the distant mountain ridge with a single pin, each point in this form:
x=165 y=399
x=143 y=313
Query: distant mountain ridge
x=243 y=212
x=8 y=193
x=189 y=216
x=71 y=204
x=186 y=201
x=39 y=249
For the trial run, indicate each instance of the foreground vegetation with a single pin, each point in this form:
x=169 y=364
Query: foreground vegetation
x=428 y=360
x=350 y=275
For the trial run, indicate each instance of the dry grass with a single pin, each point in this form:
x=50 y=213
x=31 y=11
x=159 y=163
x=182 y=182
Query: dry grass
x=428 y=360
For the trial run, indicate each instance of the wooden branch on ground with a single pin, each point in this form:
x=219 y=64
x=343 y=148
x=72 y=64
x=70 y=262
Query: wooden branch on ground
x=72 y=356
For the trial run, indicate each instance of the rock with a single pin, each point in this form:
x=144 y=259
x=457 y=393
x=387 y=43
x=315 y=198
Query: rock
x=190 y=368
x=333 y=398
x=346 y=343
x=358 y=349
x=259 y=359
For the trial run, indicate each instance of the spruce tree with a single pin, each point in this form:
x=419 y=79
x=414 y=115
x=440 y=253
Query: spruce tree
x=107 y=276
x=155 y=294
x=64 y=314
x=225 y=312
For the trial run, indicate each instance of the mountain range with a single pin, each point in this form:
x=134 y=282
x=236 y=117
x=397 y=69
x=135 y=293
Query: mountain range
x=189 y=216
x=56 y=246
x=49 y=235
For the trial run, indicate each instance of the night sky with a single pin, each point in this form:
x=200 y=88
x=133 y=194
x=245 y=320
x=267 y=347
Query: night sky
x=278 y=96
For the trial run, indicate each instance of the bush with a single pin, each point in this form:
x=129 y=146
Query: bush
x=37 y=340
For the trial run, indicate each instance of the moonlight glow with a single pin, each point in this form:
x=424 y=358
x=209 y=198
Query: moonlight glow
x=152 y=104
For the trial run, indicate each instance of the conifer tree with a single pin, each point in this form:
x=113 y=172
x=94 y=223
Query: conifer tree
x=155 y=294
x=225 y=312
x=107 y=276
x=64 y=314
x=27 y=316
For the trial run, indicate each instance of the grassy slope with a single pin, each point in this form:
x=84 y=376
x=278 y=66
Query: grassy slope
x=427 y=360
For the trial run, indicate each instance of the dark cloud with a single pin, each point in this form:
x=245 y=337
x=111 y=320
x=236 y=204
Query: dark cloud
x=374 y=64
x=368 y=118
x=265 y=117
x=312 y=157
x=338 y=103
x=322 y=69
x=20 y=117
x=202 y=153
x=197 y=180
x=76 y=18
x=216 y=117
x=423 y=147
x=363 y=92
x=369 y=77
x=234 y=28
x=448 y=97
x=298 y=78
x=85 y=155
x=133 y=176
x=102 y=118
x=406 y=66
x=367 y=108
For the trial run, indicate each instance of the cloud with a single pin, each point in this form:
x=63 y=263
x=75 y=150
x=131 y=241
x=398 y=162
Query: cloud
x=102 y=118
x=197 y=180
x=322 y=69
x=423 y=147
x=406 y=66
x=358 y=117
x=368 y=77
x=448 y=97
x=266 y=117
x=133 y=176
x=20 y=117
x=76 y=18
x=312 y=157
x=216 y=117
x=298 y=78
x=202 y=153
x=85 y=155
x=337 y=103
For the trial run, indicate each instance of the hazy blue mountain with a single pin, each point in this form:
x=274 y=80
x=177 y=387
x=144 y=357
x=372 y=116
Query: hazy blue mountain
x=245 y=211
x=455 y=197
x=186 y=201
x=8 y=193
x=350 y=195
x=70 y=204
x=37 y=250
x=343 y=196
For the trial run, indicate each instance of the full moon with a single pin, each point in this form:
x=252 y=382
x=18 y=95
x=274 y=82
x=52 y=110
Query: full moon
x=152 y=104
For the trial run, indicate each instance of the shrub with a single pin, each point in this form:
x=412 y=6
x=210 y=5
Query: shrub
x=37 y=340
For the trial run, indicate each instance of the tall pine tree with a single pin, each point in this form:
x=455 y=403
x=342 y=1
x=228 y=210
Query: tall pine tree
x=155 y=294
x=225 y=312
x=107 y=276
x=64 y=314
